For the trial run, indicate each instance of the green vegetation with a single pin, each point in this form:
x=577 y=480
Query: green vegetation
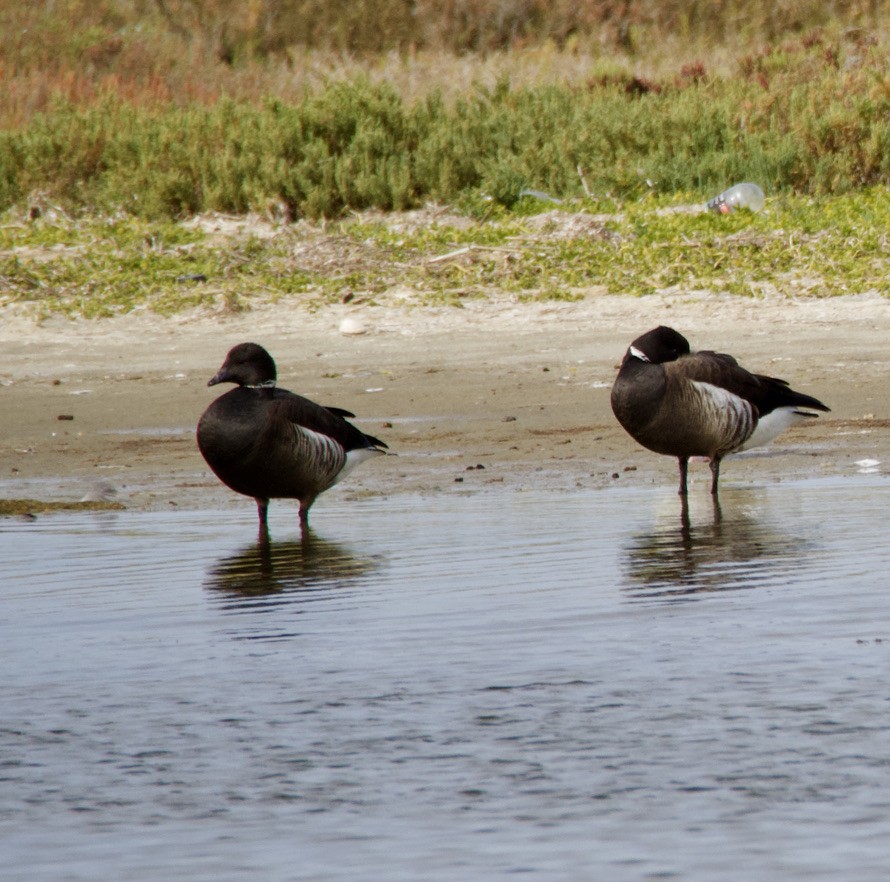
x=815 y=246
x=125 y=120
x=356 y=145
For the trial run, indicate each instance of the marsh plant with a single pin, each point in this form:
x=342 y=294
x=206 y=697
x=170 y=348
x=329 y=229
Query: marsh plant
x=798 y=246
x=552 y=149
x=795 y=122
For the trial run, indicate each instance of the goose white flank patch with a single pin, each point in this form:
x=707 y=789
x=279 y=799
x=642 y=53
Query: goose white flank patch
x=682 y=403
x=269 y=443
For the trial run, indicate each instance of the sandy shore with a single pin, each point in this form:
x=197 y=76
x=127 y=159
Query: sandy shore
x=490 y=396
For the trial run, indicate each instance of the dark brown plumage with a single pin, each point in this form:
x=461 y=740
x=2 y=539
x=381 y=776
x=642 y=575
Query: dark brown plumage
x=682 y=403
x=269 y=443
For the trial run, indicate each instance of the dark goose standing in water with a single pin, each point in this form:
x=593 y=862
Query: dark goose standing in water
x=682 y=403
x=269 y=443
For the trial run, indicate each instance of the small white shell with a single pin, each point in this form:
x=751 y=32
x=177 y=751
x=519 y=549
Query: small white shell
x=352 y=327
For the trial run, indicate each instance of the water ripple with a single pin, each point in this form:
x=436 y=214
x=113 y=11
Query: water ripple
x=571 y=686
x=717 y=551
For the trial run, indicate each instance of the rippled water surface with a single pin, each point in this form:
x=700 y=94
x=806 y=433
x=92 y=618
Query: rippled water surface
x=566 y=687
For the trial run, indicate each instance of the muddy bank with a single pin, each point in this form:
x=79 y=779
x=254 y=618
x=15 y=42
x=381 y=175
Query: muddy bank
x=491 y=395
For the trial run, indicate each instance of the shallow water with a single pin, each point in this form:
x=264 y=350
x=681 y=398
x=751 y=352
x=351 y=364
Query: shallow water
x=449 y=688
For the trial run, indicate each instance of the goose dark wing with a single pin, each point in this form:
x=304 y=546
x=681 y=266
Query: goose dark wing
x=322 y=420
x=722 y=370
x=717 y=369
x=339 y=411
x=779 y=394
x=347 y=414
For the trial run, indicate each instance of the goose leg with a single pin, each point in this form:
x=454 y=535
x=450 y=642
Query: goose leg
x=684 y=468
x=305 y=505
x=715 y=474
x=262 y=508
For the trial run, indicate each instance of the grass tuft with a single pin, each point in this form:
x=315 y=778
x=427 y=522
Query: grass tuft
x=99 y=267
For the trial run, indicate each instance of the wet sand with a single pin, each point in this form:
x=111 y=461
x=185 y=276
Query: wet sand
x=489 y=396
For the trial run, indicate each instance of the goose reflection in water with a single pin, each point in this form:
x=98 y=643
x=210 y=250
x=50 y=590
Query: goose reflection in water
x=722 y=549
x=296 y=571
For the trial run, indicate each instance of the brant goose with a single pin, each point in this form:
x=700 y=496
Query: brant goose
x=269 y=443
x=682 y=403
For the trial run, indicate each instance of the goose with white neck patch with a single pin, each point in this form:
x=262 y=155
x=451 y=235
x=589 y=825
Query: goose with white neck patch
x=268 y=443
x=681 y=403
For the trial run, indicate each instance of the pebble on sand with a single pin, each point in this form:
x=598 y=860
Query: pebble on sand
x=352 y=327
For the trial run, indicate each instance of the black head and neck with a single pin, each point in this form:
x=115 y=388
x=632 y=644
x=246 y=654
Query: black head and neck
x=660 y=345
x=247 y=364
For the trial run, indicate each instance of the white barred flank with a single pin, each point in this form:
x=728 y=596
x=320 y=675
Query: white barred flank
x=773 y=424
x=330 y=463
x=322 y=455
x=731 y=416
x=356 y=457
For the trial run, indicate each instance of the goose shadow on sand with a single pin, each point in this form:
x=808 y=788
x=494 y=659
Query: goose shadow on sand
x=710 y=548
x=268 y=575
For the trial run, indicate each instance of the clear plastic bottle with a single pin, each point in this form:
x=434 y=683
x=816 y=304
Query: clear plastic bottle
x=746 y=195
